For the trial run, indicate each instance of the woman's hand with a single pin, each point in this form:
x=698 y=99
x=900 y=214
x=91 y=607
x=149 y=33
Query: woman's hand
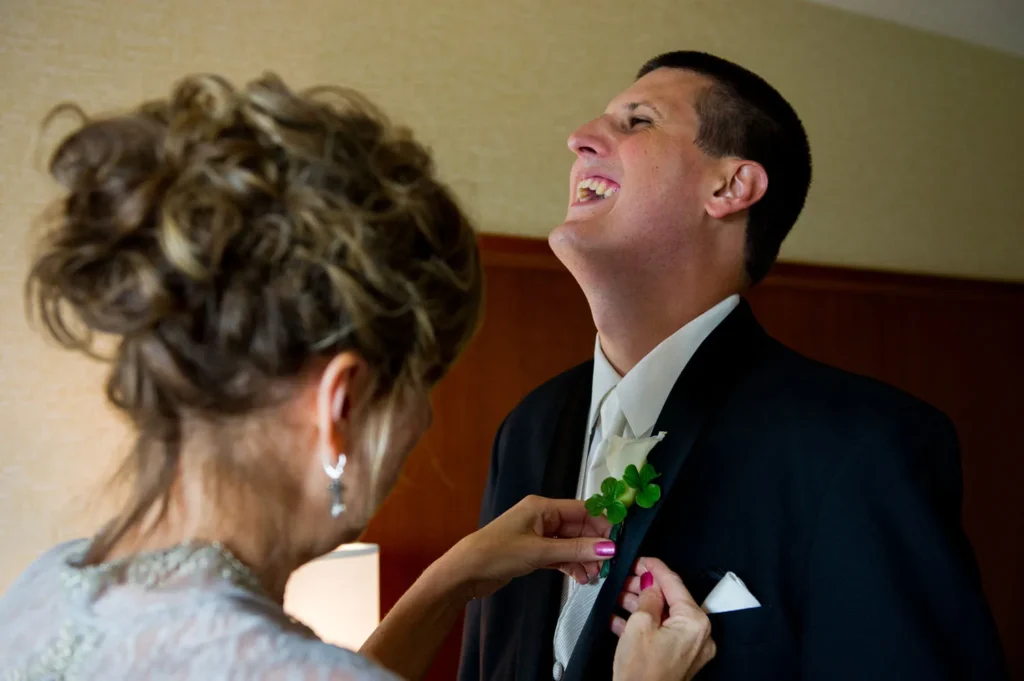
x=654 y=646
x=535 y=533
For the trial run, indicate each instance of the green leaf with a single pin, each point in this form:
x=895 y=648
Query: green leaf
x=647 y=473
x=608 y=488
x=595 y=505
x=632 y=477
x=648 y=496
x=620 y=489
x=616 y=512
x=627 y=497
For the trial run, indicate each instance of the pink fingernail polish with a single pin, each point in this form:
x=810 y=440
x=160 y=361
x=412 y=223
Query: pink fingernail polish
x=646 y=581
x=605 y=549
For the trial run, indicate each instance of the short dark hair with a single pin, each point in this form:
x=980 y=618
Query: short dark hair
x=742 y=115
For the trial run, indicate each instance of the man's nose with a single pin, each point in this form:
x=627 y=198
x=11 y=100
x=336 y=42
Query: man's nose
x=591 y=139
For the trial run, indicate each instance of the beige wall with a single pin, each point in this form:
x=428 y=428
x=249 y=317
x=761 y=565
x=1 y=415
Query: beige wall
x=918 y=144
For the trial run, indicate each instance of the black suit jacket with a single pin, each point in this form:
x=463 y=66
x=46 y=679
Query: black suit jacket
x=835 y=498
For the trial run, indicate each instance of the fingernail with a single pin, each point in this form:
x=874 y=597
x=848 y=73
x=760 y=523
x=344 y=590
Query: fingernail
x=605 y=549
x=646 y=581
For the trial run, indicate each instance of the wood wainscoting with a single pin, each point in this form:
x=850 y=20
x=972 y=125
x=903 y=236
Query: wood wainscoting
x=957 y=344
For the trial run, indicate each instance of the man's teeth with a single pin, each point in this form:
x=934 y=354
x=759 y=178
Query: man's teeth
x=594 y=188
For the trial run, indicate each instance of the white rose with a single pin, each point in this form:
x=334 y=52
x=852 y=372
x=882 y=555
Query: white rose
x=625 y=451
x=621 y=454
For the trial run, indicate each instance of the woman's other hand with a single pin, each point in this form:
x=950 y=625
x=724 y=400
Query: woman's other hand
x=535 y=533
x=667 y=637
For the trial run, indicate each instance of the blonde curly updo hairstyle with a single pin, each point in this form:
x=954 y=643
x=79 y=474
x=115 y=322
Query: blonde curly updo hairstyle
x=226 y=237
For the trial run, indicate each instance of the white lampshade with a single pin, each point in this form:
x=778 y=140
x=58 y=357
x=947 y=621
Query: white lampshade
x=338 y=595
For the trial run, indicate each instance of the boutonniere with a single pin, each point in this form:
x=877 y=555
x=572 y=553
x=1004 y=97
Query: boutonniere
x=631 y=482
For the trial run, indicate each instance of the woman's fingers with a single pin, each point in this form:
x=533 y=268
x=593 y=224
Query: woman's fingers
x=579 y=550
x=675 y=593
x=707 y=652
x=647 y=616
x=583 y=573
x=618 y=625
x=579 y=529
x=565 y=536
x=574 y=571
x=651 y=604
x=648 y=641
x=536 y=533
x=567 y=518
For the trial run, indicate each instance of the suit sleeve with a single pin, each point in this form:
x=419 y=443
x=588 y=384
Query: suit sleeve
x=893 y=590
x=472 y=633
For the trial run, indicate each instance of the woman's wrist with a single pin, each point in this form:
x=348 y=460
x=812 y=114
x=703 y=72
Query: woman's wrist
x=452 y=575
x=410 y=635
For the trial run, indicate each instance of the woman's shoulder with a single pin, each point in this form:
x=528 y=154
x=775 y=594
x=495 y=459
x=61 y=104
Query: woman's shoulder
x=272 y=645
x=31 y=609
x=309 y=660
x=55 y=557
x=47 y=567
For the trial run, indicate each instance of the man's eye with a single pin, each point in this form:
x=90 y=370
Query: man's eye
x=637 y=120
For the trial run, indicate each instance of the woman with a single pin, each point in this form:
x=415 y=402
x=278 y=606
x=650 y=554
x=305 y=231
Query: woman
x=279 y=281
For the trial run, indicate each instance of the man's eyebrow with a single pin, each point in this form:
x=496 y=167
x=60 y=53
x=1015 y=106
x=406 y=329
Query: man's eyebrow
x=633 y=106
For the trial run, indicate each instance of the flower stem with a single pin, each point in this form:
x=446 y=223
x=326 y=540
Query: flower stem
x=614 y=536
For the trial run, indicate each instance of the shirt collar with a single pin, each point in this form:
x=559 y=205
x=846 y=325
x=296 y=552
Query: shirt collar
x=644 y=390
x=605 y=378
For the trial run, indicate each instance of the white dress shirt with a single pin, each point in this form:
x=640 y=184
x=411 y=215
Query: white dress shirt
x=644 y=390
x=642 y=394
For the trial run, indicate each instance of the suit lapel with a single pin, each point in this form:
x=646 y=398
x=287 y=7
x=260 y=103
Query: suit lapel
x=561 y=477
x=704 y=383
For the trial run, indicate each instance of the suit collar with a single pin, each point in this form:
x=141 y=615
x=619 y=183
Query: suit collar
x=605 y=377
x=643 y=391
x=539 y=612
x=706 y=381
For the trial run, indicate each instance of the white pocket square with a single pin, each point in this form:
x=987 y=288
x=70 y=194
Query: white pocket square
x=728 y=595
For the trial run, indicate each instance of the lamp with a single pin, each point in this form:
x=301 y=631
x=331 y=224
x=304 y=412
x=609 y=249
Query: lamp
x=338 y=595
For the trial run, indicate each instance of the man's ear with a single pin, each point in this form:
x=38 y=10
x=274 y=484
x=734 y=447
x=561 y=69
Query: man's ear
x=743 y=183
x=337 y=391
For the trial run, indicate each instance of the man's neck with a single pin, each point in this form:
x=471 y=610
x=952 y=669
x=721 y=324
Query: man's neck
x=629 y=330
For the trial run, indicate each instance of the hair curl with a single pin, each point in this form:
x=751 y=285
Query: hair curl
x=225 y=237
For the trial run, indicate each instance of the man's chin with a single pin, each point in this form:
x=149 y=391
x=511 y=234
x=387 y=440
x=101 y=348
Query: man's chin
x=582 y=246
x=578 y=235
x=564 y=241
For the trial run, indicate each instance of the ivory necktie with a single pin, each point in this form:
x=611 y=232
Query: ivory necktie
x=578 y=600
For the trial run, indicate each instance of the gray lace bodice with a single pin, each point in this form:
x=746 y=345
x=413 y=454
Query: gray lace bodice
x=191 y=612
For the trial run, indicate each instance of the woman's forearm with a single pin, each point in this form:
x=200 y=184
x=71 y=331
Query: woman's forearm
x=522 y=539
x=413 y=631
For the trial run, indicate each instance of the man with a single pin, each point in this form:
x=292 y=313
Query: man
x=835 y=499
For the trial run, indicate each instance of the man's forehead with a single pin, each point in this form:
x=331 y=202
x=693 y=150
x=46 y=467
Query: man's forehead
x=668 y=90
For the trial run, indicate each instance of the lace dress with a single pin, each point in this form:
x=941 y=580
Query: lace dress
x=191 y=612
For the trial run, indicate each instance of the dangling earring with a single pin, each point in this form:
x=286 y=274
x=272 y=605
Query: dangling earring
x=334 y=487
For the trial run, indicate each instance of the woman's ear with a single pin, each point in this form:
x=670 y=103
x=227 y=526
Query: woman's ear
x=337 y=391
x=743 y=184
